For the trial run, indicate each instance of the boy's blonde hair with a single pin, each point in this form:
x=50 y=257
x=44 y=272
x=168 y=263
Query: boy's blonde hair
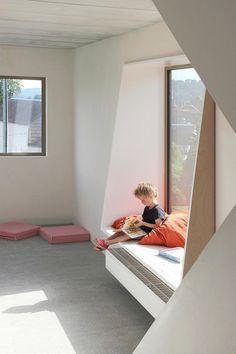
x=145 y=189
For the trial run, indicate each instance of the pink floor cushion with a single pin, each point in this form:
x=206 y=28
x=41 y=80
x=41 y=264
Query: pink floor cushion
x=17 y=230
x=64 y=234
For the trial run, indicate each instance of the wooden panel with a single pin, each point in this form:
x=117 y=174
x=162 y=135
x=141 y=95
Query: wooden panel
x=202 y=214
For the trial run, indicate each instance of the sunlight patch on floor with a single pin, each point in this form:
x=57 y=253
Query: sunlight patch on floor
x=27 y=327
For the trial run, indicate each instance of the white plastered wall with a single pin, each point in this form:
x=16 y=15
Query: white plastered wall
x=138 y=141
x=98 y=72
x=39 y=189
x=137 y=150
x=225 y=168
x=98 y=129
x=200 y=317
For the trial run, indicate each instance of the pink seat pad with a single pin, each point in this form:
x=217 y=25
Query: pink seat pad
x=63 y=234
x=16 y=237
x=17 y=230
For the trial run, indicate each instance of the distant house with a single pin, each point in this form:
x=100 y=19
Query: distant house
x=27 y=112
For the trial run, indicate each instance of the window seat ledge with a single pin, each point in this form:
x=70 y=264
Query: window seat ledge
x=150 y=278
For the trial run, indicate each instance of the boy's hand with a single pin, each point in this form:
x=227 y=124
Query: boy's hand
x=137 y=219
x=138 y=223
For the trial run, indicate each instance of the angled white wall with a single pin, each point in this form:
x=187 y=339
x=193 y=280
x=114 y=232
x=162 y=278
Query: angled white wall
x=200 y=316
x=225 y=168
x=97 y=80
x=206 y=31
x=98 y=72
x=39 y=189
x=138 y=141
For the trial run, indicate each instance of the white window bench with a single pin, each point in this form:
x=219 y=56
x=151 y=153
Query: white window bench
x=150 y=278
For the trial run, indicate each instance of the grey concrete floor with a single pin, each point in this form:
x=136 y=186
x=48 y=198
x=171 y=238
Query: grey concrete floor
x=60 y=299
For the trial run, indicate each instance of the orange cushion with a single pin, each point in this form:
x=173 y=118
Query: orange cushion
x=171 y=233
x=119 y=223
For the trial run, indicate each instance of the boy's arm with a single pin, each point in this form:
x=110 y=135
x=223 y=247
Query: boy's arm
x=147 y=224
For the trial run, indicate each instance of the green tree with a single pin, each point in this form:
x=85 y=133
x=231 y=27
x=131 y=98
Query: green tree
x=177 y=164
x=13 y=87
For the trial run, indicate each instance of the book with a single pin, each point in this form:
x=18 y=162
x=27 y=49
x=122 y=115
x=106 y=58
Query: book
x=174 y=254
x=131 y=230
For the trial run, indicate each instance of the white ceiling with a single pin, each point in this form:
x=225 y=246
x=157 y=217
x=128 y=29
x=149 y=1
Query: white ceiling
x=71 y=23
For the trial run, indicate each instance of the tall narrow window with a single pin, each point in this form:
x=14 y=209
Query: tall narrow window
x=185 y=102
x=22 y=116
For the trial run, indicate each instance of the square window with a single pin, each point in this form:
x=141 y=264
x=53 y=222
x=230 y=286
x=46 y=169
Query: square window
x=22 y=116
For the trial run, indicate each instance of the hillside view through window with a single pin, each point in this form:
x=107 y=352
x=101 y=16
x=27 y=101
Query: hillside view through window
x=186 y=94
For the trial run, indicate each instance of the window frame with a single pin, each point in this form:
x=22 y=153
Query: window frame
x=203 y=188
x=43 y=116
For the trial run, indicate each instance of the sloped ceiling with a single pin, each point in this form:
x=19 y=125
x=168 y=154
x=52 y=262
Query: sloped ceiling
x=71 y=23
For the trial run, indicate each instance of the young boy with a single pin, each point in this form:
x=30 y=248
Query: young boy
x=153 y=215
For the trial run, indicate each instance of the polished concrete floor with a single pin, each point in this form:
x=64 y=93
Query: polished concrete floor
x=59 y=299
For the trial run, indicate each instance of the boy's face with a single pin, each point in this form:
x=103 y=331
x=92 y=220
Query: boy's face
x=146 y=200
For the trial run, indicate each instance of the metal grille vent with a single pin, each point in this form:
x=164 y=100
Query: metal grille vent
x=162 y=290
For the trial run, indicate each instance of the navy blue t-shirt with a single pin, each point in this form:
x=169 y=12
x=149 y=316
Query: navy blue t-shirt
x=150 y=215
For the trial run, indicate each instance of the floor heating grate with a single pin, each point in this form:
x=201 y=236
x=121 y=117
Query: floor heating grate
x=162 y=290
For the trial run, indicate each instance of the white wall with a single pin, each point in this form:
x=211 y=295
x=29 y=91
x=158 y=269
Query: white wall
x=205 y=30
x=200 y=317
x=98 y=76
x=137 y=150
x=98 y=71
x=39 y=189
x=138 y=141
x=225 y=168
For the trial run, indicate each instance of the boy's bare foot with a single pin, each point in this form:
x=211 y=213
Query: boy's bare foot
x=97 y=246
